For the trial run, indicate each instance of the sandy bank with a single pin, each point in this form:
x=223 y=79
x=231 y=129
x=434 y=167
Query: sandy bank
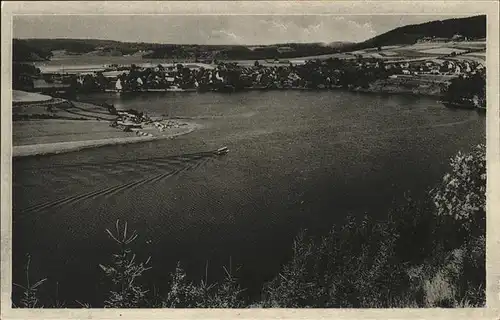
x=69 y=146
x=19 y=97
x=72 y=126
x=47 y=131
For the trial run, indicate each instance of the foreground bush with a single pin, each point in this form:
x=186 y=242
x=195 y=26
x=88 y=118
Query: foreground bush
x=185 y=294
x=125 y=293
x=461 y=196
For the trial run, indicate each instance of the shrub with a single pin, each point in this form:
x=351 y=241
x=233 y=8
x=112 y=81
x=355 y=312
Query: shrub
x=458 y=259
x=123 y=273
x=359 y=265
x=182 y=293
x=294 y=286
x=438 y=291
x=227 y=293
x=461 y=195
x=471 y=281
x=351 y=267
x=30 y=297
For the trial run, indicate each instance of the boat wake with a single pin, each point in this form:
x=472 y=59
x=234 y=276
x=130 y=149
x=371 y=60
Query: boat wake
x=169 y=167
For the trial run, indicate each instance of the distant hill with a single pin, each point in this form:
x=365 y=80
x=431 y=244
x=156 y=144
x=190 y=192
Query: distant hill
x=471 y=27
x=40 y=49
x=79 y=46
x=24 y=51
x=245 y=52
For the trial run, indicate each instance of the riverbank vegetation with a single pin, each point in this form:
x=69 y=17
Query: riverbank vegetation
x=426 y=253
x=471 y=89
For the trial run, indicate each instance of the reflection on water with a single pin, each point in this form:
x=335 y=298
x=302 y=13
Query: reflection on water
x=297 y=160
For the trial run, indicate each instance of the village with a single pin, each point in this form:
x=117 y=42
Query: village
x=313 y=74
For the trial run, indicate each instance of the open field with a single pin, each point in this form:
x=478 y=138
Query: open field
x=443 y=51
x=56 y=130
x=420 y=50
x=470 y=45
x=407 y=53
x=470 y=58
x=76 y=111
x=477 y=54
x=389 y=53
x=376 y=55
x=300 y=60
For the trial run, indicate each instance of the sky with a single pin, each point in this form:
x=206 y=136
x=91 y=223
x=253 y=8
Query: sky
x=213 y=29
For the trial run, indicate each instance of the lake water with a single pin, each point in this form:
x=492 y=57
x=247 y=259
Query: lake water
x=298 y=159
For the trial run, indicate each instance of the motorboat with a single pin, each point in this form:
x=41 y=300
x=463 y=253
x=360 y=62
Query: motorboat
x=222 y=151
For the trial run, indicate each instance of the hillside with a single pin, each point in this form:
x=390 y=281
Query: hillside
x=245 y=52
x=471 y=27
x=23 y=50
x=80 y=46
x=40 y=49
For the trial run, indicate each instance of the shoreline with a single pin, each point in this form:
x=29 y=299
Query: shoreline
x=72 y=146
x=378 y=87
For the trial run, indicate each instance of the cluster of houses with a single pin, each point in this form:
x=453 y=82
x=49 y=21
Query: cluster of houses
x=232 y=76
x=438 y=67
x=224 y=75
